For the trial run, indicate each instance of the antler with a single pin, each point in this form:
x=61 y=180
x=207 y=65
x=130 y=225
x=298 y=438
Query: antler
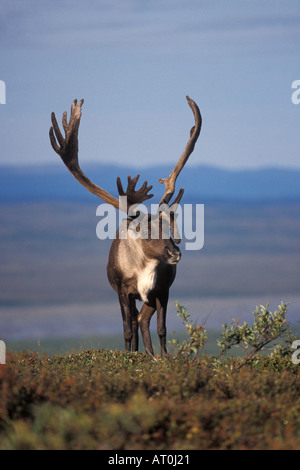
x=194 y=134
x=67 y=149
x=133 y=196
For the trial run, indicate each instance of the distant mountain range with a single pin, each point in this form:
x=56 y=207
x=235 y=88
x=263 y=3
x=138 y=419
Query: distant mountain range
x=201 y=183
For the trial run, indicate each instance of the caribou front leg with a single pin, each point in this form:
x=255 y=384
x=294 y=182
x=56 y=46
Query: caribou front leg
x=125 y=302
x=144 y=322
x=130 y=321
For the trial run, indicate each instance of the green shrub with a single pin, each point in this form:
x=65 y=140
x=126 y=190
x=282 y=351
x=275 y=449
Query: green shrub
x=266 y=328
x=197 y=336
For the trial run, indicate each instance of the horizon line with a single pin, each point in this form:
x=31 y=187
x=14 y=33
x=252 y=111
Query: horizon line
x=41 y=165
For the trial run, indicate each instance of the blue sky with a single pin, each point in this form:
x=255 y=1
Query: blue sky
x=134 y=61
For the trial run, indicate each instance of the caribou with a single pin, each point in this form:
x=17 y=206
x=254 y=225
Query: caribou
x=140 y=266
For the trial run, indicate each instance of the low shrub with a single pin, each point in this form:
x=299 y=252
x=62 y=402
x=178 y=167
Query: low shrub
x=103 y=399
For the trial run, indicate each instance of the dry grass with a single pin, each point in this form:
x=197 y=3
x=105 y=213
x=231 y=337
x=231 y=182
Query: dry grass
x=113 y=400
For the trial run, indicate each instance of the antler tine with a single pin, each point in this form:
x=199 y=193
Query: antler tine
x=133 y=196
x=194 y=134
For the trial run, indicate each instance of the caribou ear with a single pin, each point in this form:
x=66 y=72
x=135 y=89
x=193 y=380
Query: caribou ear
x=168 y=221
x=174 y=229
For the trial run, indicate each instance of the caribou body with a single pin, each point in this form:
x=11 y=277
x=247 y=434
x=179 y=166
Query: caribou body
x=140 y=266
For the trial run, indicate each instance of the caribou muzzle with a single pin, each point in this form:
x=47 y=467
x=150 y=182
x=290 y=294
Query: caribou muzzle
x=173 y=255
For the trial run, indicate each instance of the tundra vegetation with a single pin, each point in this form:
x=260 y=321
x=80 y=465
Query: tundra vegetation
x=106 y=399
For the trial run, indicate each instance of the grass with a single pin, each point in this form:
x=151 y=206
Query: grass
x=104 y=399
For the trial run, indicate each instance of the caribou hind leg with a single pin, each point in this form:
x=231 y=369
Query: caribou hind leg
x=135 y=326
x=161 y=306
